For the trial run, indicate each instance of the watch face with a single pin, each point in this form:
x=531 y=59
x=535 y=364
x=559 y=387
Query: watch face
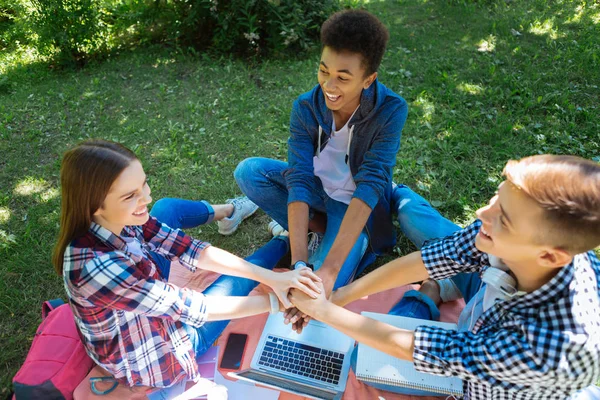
x=299 y=264
x=302 y=264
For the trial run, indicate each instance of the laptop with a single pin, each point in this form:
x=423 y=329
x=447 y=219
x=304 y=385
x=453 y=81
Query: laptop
x=312 y=364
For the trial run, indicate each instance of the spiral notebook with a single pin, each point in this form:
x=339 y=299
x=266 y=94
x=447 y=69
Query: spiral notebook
x=386 y=372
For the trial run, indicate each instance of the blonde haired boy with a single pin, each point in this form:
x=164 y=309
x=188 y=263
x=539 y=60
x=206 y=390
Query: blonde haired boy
x=530 y=277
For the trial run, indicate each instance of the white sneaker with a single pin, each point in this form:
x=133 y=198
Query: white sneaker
x=242 y=209
x=314 y=241
x=277 y=230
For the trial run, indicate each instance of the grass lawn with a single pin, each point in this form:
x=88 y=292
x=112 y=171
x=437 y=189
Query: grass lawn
x=485 y=83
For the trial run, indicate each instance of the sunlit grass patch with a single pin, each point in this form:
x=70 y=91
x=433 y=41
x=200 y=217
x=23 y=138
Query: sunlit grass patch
x=487 y=45
x=4 y=215
x=6 y=239
x=29 y=186
x=544 y=28
x=426 y=105
x=470 y=88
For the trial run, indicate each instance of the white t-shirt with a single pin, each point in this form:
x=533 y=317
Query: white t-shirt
x=133 y=246
x=331 y=167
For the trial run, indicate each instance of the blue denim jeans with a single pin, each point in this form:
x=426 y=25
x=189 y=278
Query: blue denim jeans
x=417 y=305
x=181 y=214
x=420 y=222
x=262 y=181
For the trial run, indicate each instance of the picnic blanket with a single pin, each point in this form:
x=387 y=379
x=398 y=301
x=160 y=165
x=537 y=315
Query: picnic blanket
x=253 y=326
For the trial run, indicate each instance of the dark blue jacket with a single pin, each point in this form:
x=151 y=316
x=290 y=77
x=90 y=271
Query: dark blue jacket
x=376 y=127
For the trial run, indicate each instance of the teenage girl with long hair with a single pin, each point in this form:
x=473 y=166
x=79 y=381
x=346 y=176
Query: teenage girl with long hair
x=115 y=259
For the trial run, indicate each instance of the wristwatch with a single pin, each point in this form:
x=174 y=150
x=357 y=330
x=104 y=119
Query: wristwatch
x=301 y=264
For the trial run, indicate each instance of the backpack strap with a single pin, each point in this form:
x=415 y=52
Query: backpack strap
x=50 y=305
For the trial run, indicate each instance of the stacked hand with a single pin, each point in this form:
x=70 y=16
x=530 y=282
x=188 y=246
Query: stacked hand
x=302 y=293
x=299 y=315
x=302 y=280
x=306 y=306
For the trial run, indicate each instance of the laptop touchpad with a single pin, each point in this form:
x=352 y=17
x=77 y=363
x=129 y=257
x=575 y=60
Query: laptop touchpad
x=325 y=336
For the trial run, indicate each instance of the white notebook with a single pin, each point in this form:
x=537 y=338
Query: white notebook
x=378 y=368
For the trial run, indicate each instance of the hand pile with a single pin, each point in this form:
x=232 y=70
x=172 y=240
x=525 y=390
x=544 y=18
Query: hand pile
x=302 y=293
x=305 y=307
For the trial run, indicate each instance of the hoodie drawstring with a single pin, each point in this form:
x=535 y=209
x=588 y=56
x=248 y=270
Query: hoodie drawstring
x=319 y=141
x=347 y=148
x=349 y=141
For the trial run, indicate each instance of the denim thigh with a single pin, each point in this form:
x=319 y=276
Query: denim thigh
x=182 y=214
x=262 y=180
x=335 y=214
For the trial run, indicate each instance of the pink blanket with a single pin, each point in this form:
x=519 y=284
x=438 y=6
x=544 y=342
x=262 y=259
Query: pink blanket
x=355 y=390
x=252 y=326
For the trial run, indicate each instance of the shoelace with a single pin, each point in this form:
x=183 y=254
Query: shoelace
x=314 y=240
x=239 y=204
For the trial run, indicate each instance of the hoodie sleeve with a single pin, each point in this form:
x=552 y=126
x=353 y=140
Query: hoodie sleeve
x=376 y=170
x=300 y=173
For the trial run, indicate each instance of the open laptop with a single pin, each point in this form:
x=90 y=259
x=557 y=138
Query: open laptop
x=312 y=364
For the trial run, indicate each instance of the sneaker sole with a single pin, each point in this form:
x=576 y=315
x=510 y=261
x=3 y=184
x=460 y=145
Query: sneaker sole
x=235 y=228
x=280 y=231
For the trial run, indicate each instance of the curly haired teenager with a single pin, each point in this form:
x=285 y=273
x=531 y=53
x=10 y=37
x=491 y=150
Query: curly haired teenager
x=344 y=139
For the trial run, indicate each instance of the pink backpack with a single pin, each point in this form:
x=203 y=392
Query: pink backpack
x=57 y=361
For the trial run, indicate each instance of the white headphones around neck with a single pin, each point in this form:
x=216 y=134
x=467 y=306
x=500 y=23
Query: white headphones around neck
x=501 y=281
x=500 y=285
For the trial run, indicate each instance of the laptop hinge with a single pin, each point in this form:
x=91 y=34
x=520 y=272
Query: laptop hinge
x=286 y=384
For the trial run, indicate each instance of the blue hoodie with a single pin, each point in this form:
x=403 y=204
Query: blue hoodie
x=374 y=142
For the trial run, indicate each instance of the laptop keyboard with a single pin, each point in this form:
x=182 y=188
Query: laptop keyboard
x=301 y=359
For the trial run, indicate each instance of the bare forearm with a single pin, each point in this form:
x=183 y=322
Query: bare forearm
x=399 y=272
x=298 y=229
x=352 y=225
x=231 y=307
x=383 y=337
x=223 y=262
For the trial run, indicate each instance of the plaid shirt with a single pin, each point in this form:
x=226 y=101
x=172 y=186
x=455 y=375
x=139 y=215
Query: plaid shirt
x=543 y=345
x=131 y=320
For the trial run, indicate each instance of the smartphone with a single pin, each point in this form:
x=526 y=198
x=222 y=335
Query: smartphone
x=234 y=351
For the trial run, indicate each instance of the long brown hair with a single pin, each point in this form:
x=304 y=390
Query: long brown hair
x=86 y=176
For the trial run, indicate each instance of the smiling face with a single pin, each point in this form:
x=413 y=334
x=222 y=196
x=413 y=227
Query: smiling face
x=509 y=225
x=513 y=229
x=342 y=79
x=126 y=202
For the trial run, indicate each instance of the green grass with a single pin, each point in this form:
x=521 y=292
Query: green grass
x=485 y=83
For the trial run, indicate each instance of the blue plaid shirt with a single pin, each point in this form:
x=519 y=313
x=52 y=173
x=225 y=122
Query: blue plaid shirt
x=543 y=345
x=130 y=318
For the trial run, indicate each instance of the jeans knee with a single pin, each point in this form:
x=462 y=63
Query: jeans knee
x=415 y=304
x=162 y=210
x=246 y=169
x=412 y=229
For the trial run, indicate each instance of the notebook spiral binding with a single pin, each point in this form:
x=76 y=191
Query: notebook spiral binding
x=410 y=385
